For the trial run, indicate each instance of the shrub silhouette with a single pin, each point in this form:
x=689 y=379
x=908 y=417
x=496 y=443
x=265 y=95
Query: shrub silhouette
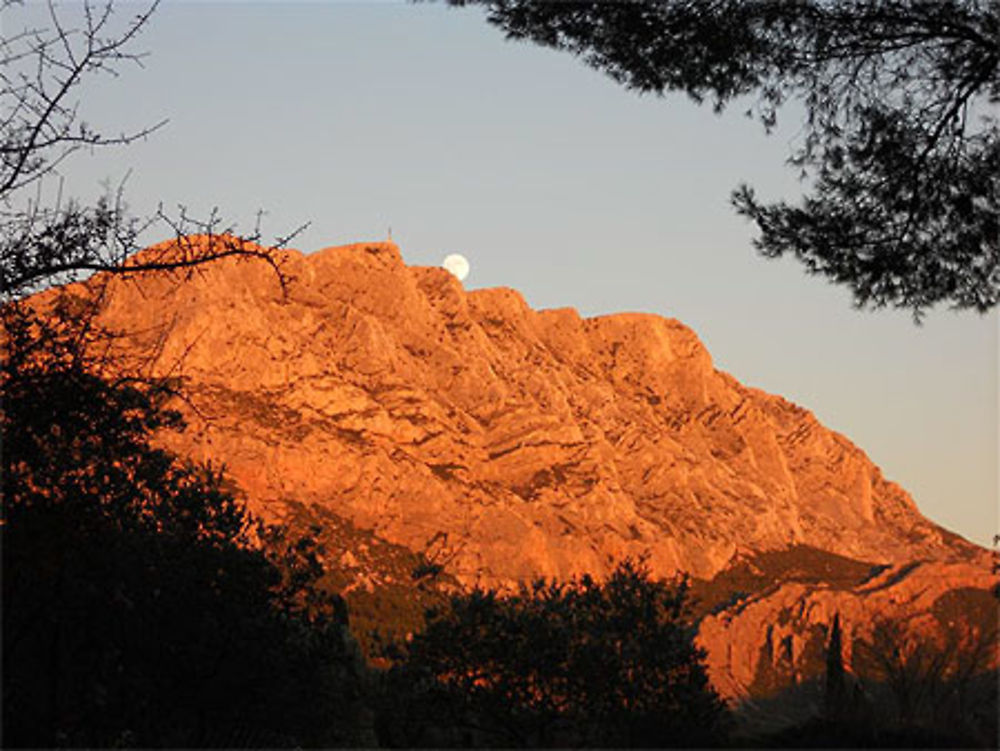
x=555 y=664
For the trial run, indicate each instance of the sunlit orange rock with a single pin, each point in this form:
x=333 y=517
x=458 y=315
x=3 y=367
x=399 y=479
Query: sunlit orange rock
x=525 y=443
x=778 y=636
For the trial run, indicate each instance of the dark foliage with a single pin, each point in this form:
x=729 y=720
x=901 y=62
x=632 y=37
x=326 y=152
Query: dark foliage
x=141 y=605
x=135 y=609
x=826 y=733
x=578 y=664
x=835 y=684
x=901 y=140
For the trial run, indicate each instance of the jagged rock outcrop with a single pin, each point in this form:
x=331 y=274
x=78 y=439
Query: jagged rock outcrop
x=781 y=605
x=517 y=443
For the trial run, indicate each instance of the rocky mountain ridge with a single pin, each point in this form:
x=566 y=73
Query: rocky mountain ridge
x=509 y=443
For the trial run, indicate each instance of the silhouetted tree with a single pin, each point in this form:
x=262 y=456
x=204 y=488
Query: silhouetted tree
x=141 y=604
x=138 y=609
x=901 y=139
x=43 y=243
x=577 y=664
x=835 y=694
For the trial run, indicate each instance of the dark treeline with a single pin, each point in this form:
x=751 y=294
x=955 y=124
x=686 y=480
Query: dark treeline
x=137 y=609
x=144 y=607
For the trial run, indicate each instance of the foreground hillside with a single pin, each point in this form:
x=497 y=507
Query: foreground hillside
x=502 y=443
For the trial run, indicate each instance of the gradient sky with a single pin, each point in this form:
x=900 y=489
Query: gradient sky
x=551 y=179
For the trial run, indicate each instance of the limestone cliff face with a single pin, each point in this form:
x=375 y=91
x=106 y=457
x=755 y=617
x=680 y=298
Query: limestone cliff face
x=776 y=636
x=516 y=443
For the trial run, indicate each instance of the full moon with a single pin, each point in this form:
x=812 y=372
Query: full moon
x=457 y=265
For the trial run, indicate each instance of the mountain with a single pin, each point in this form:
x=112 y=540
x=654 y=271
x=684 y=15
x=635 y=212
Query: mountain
x=498 y=443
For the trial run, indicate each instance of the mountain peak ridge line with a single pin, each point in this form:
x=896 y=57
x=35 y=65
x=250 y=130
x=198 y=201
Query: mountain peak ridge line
x=511 y=444
x=528 y=391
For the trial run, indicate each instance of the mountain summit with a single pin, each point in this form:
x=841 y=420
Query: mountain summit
x=509 y=443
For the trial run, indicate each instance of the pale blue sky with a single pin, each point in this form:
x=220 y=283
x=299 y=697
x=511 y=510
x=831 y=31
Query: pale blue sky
x=553 y=180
